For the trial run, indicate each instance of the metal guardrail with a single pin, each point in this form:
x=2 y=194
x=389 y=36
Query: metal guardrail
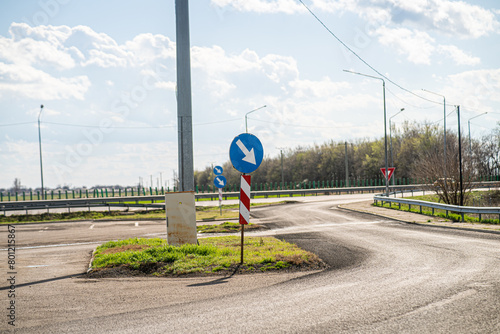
x=151 y=201
x=462 y=210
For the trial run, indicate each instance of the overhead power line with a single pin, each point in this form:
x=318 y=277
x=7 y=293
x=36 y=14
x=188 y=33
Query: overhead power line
x=15 y=124
x=361 y=59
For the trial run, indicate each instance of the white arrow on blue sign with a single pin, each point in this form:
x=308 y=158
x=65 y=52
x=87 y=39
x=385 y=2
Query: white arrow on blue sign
x=246 y=153
x=220 y=181
x=218 y=170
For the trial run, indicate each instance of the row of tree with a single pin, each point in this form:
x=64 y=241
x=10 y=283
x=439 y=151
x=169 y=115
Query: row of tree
x=416 y=150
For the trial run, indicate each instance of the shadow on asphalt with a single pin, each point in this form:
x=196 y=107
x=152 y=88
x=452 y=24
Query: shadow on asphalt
x=43 y=281
x=221 y=280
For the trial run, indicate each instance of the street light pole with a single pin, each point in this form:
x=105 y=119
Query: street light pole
x=346 y=167
x=470 y=142
x=40 y=147
x=390 y=137
x=282 y=174
x=460 y=159
x=251 y=111
x=385 y=130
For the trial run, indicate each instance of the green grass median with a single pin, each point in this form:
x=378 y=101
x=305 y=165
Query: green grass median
x=213 y=256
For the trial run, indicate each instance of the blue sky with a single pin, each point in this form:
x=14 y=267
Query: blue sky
x=105 y=73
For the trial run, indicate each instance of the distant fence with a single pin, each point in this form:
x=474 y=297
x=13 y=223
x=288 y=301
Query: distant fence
x=158 y=201
x=143 y=191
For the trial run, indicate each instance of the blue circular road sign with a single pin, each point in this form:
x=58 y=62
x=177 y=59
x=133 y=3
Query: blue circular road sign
x=218 y=170
x=220 y=181
x=246 y=153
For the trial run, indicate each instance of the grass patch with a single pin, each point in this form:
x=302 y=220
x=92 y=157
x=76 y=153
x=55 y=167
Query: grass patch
x=226 y=227
x=220 y=255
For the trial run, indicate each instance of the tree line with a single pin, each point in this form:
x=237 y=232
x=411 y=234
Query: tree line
x=410 y=148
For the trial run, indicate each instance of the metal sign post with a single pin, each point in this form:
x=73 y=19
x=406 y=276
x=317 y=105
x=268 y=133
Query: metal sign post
x=246 y=181
x=220 y=200
x=220 y=182
x=246 y=154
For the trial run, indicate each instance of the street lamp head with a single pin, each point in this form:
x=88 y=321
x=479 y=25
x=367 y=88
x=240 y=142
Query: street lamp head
x=402 y=109
x=41 y=106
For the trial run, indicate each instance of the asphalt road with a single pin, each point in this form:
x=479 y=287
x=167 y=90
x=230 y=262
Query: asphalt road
x=385 y=277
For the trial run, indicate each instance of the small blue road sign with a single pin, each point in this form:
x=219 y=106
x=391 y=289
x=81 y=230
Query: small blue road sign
x=246 y=153
x=220 y=181
x=218 y=170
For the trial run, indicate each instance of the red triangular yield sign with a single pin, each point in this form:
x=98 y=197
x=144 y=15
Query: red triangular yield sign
x=391 y=171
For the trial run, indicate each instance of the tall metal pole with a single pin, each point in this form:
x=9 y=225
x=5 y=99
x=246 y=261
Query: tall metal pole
x=468 y=122
x=460 y=158
x=385 y=130
x=40 y=147
x=390 y=137
x=385 y=145
x=346 y=167
x=282 y=174
x=184 y=108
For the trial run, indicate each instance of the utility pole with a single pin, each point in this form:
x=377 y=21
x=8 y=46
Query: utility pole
x=184 y=107
x=346 y=167
x=460 y=159
x=390 y=138
x=40 y=147
x=282 y=174
x=385 y=129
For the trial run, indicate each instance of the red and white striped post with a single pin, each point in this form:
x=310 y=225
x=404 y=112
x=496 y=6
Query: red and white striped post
x=244 y=206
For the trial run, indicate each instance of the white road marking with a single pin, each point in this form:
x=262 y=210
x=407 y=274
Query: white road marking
x=136 y=224
x=37 y=266
x=91 y=227
x=59 y=245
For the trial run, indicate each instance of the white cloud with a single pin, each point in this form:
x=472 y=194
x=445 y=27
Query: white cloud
x=323 y=88
x=146 y=48
x=416 y=45
x=45 y=62
x=262 y=6
x=222 y=70
x=455 y=18
x=168 y=85
x=26 y=81
x=474 y=89
x=459 y=56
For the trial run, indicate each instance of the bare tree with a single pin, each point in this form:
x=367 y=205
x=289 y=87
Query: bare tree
x=17 y=185
x=429 y=166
